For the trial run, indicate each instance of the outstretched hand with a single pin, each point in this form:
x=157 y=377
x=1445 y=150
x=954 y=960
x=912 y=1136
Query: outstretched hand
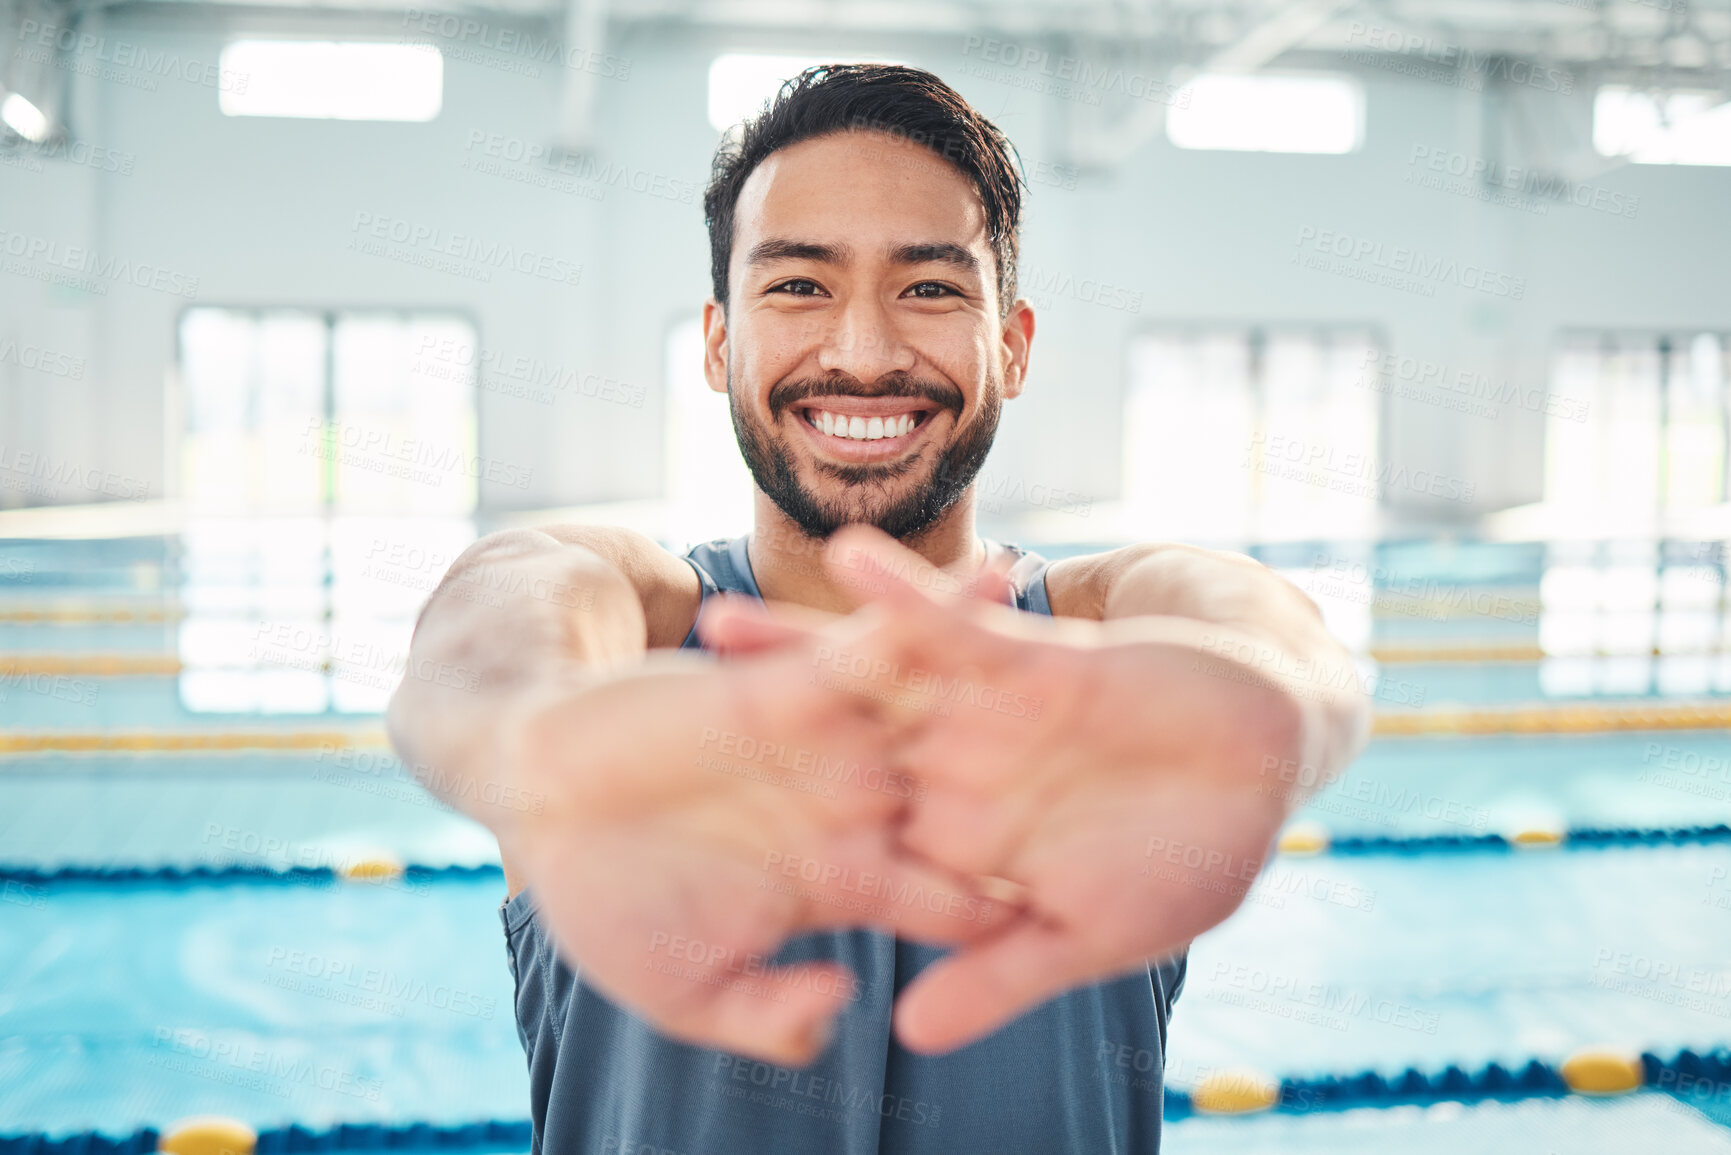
x=1110 y=770
x=692 y=817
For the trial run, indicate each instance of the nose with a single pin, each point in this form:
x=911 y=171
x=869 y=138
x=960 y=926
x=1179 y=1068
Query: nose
x=864 y=344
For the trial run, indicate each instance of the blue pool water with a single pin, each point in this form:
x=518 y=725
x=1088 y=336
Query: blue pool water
x=317 y=1003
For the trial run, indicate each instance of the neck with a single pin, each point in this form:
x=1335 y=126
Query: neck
x=789 y=563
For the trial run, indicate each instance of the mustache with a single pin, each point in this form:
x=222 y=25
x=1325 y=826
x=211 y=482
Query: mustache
x=898 y=384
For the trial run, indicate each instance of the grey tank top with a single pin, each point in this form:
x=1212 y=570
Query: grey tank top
x=1081 y=1073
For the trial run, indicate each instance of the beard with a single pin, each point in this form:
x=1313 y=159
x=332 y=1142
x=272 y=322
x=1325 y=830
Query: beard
x=870 y=497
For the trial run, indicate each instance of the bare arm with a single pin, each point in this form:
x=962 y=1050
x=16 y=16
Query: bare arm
x=1245 y=623
x=1115 y=763
x=523 y=616
x=617 y=783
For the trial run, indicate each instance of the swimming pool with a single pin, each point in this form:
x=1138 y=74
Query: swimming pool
x=177 y=937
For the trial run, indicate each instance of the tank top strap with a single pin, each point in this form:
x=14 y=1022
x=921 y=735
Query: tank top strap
x=724 y=566
x=1028 y=581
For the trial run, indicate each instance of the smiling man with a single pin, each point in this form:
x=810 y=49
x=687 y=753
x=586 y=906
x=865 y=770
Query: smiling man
x=909 y=870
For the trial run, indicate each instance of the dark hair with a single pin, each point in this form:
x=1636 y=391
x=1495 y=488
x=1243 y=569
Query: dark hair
x=905 y=103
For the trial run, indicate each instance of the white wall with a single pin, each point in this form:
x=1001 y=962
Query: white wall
x=262 y=212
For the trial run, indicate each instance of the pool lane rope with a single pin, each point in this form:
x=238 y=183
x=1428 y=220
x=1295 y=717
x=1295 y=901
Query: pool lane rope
x=1300 y=841
x=382 y=871
x=1464 y=721
x=1593 y=1072
x=155 y=663
x=218 y=1136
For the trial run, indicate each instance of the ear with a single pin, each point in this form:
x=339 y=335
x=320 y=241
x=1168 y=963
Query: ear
x=715 y=345
x=1018 y=341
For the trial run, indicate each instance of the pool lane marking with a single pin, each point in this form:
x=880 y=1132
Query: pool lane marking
x=1395 y=653
x=71 y=616
x=149 y=664
x=95 y=665
x=156 y=740
x=1596 y=719
x=1504 y=652
x=1528 y=719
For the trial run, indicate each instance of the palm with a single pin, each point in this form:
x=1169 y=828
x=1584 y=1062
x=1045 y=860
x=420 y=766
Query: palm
x=1128 y=834
x=661 y=861
x=1118 y=790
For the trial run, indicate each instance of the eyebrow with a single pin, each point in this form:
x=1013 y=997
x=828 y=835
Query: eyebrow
x=920 y=253
x=936 y=252
x=781 y=249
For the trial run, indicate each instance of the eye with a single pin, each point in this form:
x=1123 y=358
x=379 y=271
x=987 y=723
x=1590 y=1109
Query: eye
x=798 y=287
x=932 y=290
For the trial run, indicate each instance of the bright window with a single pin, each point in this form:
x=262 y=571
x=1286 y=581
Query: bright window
x=294 y=411
x=329 y=471
x=1653 y=433
x=326 y=80
x=1673 y=128
x=709 y=489
x=1323 y=114
x=1235 y=433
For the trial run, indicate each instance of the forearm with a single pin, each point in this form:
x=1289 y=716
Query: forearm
x=1255 y=633
x=525 y=619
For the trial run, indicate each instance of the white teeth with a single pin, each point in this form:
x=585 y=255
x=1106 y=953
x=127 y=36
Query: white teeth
x=861 y=428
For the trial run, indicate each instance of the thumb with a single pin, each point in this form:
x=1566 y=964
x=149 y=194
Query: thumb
x=875 y=565
x=967 y=995
x=732 y=624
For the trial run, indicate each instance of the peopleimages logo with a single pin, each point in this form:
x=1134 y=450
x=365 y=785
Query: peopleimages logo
x=1351 y=471
x=471 y=252
x=134 y=65
x=1428 y=166
x=1071 y=77
x=585 y=168
x=411 y=458
x=1396 y=50
x=463 y=34
x=1428 y=381
x=1372 y=255
x=50 y=361
x=85 y=268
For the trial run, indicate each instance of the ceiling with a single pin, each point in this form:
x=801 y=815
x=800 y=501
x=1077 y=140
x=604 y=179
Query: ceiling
x=1688 y=35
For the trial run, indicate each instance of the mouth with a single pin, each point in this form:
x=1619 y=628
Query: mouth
x=865 y=428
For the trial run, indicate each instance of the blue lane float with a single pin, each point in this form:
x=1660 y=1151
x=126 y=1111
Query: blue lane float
x=1535 y=1080
x=171 y=875
x=490 y=1135
x=1578 y=838
x=1682 y=1076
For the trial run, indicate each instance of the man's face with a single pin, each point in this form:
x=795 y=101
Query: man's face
x=862 y=350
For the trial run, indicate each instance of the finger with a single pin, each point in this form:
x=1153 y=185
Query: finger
x=935 y=692
x=968 y=995
x=992 y=582
x=859 y=879
x=971 y=832
x=782 y=1015
x=732 y=624
x=873 y=563
x=661 y=939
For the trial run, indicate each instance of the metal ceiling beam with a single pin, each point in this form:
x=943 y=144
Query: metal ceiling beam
x=1107 y=146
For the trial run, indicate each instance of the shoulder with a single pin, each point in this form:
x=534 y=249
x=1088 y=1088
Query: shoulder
x=666 y=585
x=1079 y=586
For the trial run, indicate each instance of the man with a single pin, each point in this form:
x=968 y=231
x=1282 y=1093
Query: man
x=908 y=870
